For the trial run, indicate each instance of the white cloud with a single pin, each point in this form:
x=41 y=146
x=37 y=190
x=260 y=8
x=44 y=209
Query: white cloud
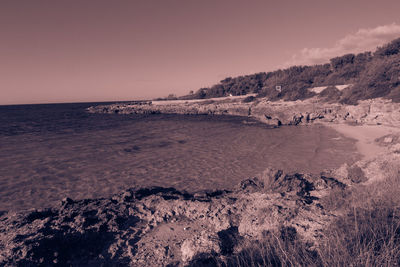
x=361 y=41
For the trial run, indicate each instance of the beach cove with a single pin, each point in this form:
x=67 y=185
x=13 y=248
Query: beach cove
x=163 y=225
x=98 y=155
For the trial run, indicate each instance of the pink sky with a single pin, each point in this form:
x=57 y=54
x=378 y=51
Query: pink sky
x=81 y=50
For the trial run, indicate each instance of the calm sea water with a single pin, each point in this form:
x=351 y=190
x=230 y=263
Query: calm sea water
x=48 y=152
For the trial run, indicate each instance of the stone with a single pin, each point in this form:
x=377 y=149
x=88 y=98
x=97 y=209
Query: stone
x=204 y=243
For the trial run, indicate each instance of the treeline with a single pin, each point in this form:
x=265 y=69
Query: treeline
x=372 y=75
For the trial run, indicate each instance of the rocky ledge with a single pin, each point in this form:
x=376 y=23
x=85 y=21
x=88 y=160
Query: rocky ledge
x=160 y=226
x=274 y=113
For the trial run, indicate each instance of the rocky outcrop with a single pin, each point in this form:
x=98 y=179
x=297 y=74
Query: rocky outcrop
x=277 y=113
x=160 y=226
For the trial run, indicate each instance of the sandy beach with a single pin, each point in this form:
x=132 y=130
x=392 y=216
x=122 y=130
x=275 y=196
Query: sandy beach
x=365 y=135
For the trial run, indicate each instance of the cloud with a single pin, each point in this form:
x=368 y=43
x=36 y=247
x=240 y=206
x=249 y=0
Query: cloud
x=361 y=41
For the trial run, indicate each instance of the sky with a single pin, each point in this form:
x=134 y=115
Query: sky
x=117 y=50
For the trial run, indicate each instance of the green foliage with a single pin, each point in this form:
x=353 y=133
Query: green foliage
x=249 y=99
x=379 y=79
x=389 y=49
x=373 y=76
x=171 y=97
x=340 y=62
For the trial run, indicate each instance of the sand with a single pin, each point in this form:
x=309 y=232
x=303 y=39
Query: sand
x=365 y=136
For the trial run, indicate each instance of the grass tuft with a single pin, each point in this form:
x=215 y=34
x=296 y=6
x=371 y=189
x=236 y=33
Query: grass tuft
x=366 y=233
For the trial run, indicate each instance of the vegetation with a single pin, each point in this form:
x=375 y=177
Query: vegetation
x=169 y=97
x=367 y=233
x=372 y=75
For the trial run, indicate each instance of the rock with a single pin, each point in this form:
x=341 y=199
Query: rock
x=66 y=201
x=251 y=185
x=274 y=113
x=159 y=226
x=356 y=174
x=388 y=139
x=296 y=120
x=203 y=243
x=395 y=148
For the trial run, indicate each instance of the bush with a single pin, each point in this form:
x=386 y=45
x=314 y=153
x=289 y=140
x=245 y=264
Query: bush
x=389 y=49
x=363 y=237
x=373 y=76
x=367 y=233
x=249 y=99
x=282 y=248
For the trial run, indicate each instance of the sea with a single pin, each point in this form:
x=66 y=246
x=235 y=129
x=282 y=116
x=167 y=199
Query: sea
x=52 y=151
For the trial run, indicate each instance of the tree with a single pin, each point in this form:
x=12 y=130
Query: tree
x=172 y=97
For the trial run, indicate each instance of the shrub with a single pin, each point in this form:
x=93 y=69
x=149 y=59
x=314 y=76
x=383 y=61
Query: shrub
x=282 y=248
x=249 y=99
x=363 y=237
x=389 y=49
x=367 y=233
x=373 y=76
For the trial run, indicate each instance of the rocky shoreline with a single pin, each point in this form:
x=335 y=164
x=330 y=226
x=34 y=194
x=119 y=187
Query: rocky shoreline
x=275 y=113
x=165 y=227
x=160 y=226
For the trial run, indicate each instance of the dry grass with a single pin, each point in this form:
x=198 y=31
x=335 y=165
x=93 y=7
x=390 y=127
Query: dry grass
x=364 y=237
x=276 y=249
x=366 y=234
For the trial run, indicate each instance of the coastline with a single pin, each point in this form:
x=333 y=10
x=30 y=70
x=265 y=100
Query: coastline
x=369 y=120
x=163 y=226
x=365 y=136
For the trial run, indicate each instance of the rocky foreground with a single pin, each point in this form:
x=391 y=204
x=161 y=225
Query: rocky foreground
x=165 y=227
x=160 y=226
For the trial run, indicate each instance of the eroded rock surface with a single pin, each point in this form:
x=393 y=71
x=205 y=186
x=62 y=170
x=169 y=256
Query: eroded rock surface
x=160 y=226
